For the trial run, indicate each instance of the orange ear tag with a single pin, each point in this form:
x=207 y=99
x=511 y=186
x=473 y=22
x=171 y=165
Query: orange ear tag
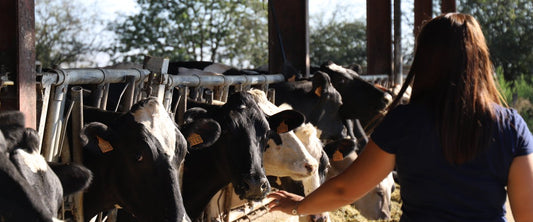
x=104 y=145
x=337 y=156
x=282 y=128
x=318 y=91
x=292 y=78
x=195 y=139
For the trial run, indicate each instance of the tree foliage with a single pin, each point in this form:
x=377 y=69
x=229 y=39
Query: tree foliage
x=508 y=28
x=229 y=31
x=343 y=42
x=61 y=30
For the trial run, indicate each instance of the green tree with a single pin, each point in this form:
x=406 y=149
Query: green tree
x=229 y=31
x=343 y=42
x=62 y=30
x=508 y=28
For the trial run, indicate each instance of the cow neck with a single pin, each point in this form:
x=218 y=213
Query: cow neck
x=101 y=192
x=202 y=179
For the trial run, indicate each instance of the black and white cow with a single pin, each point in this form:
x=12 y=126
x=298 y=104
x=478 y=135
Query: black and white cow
x=32 y=189
x=318 y=100
x=285 y=159
x=135 y=158
x=376 y=204
x=236 y=157
x=204 y=67
x=361 y=100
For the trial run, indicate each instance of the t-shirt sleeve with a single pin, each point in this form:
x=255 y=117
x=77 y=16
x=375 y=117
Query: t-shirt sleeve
x=524 y=141
x=390 y=133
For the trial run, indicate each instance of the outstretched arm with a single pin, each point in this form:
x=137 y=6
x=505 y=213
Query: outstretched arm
x=365 y=173
x=520 y=187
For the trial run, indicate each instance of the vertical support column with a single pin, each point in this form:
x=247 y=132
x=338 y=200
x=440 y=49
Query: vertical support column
x=398 y=61
x=17 y=58
x=448 y=6
x=292 y=20
x=423 y=11
x=379 y=37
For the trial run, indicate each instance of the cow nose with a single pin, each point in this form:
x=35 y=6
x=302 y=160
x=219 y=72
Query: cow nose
x=265 y=187
x=310 y=168
x=256 y=187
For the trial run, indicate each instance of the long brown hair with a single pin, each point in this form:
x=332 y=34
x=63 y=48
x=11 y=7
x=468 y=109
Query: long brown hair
x=453 y=76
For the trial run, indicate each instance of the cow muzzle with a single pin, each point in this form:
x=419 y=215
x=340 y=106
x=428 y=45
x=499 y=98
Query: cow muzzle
x=253 y=188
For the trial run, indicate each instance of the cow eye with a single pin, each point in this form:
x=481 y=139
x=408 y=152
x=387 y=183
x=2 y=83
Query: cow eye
x=274 y=136
x=139 y=157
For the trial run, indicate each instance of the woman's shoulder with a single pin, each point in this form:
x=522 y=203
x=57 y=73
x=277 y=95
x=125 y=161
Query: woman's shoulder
x=507 y=116
x=409 y=111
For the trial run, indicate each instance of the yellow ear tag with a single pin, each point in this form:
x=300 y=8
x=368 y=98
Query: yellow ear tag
x=282 y=128
x=318 y=91
x=104 y=145
x=195 y=139
x=337 y=156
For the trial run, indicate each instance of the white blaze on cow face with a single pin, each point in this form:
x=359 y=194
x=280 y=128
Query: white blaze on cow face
x=308 y=134
x=290 y=158
x=154 y=117
x=34 y=161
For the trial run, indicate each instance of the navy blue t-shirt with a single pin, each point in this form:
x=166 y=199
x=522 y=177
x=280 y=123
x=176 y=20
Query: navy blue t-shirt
x=434 y=190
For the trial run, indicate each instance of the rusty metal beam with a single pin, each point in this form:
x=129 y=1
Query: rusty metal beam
x=379 y=37
x=291 y=18
x=17 y=57
x=448 y=6
x=423 y=12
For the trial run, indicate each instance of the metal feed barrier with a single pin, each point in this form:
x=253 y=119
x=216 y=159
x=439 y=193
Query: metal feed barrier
x=56 y=109
x=153 y=80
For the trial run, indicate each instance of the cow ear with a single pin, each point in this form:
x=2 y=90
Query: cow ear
x=286 y=120
x=321 y=82
x=201 y=132
x=339 y=149
x=30 y=140
x=194 y=113
x=73 y=177
x=96 y=137
x=12 y=125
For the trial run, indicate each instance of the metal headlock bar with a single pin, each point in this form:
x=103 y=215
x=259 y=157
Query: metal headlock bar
x=185 y=81
x=58 y=83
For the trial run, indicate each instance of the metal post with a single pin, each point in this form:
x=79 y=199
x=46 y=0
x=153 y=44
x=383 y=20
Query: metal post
x=127 y=100
x=423 y=11
x=398 y=66
x=448 y=6
x=182 y=104
x=53 y=122
x=46 y=87
x=105 y=94
x=379 y=38
x=77 y=154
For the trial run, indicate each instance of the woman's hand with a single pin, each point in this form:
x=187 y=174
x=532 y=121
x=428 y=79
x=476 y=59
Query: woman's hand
x=284 y=201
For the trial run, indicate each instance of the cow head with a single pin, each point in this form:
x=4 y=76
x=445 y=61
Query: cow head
x=374 y=205
x=245 y=132
x=325 y=113
x=40 y=186
x=136 y=162
x=361 y=99
x=285 y=154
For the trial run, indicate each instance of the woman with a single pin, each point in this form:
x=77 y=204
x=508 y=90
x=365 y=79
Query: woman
x=455 y=146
